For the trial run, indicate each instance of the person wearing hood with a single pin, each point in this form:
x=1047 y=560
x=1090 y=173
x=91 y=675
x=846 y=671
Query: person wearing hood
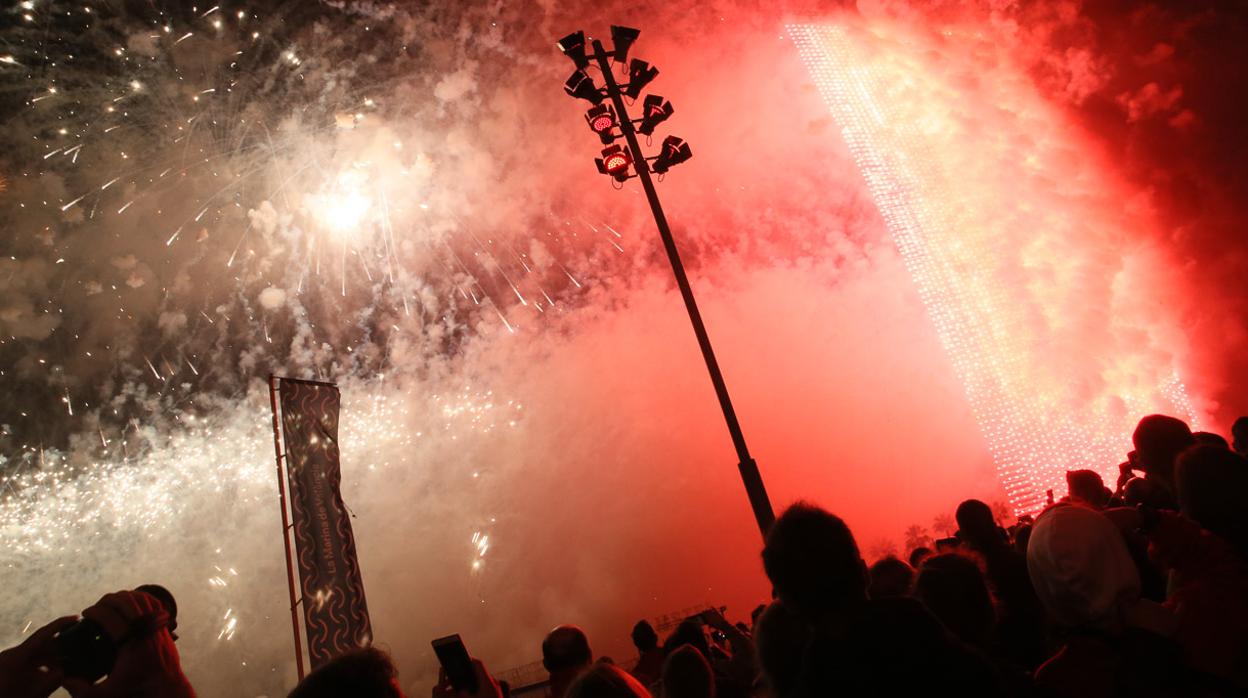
x=1113 y=642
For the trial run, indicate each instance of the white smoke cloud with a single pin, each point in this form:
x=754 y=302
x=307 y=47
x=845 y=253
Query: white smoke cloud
x=272 y=298
x=457 y=85
x=171 y=323
x=124 y=263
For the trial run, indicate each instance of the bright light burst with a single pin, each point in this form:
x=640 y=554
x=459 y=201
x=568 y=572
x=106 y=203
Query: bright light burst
x=284 y=219
x=213 y=159
x=1017 y=240
x=345 y=206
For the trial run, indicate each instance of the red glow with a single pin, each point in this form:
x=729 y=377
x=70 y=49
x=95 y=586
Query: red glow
x=1012 y=270
x=602 y=124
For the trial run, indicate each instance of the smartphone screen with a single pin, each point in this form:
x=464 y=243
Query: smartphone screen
x=947 y=544
x=456 y=662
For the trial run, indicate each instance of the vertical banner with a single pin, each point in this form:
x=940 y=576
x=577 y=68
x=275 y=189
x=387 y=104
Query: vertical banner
x=334 y=611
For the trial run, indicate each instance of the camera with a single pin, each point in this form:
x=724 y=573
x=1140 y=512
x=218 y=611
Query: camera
x=86 y=651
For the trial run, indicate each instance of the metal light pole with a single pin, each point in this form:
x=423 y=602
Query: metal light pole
x=286 y=525
x=750 y=476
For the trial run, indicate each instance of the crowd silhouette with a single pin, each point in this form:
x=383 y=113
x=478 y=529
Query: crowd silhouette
x=1140 y=590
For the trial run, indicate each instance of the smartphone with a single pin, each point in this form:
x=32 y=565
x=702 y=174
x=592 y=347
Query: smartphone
x=945 y=544
x=456 y=663
x=705 y=616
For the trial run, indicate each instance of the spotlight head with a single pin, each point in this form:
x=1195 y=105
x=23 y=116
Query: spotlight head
x=581 y=86
x=615 y=161
x=601 y=120
x=675 y=151
x=640 y=73
x=654 y=111
x=622 y=39
x=573 y=46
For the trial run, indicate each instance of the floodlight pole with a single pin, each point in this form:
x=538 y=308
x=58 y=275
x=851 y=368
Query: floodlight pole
x=750 y=476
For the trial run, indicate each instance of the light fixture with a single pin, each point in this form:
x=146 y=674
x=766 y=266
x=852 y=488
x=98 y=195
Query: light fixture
x=654 y=111
x=675 y=151
x=640 y=73
x=601 y=120
x=582 y=86
x=615 y=161
x=622 y=39
x=573 y=46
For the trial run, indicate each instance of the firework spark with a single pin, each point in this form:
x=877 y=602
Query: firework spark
x=1001 y=305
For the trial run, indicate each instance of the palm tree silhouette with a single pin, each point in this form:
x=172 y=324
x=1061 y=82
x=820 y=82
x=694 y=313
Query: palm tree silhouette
x=882 y=548
x=916 y=537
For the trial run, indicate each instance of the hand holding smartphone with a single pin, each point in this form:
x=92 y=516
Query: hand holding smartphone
x=456 y=663
x=944 y=545
x=713 y=618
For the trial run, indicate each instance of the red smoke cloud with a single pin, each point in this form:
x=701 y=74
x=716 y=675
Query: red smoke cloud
x=1166 y=105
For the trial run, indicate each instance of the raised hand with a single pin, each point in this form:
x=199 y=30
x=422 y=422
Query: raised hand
x=487 y=687
x=147 y=660
x=30 y=669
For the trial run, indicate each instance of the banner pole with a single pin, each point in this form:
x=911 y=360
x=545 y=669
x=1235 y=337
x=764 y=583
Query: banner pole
x=281 y=493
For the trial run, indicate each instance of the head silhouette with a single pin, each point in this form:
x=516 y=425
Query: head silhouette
x=1208 y=438
x=687 y=674
x=890 y=578
x=813 y=562
x=606 y=681
x=1159 y=439
x=644 y=637
x=566 y=649
x=952 y=587
x=1088 y=487
x=1212 y=483
x=1239 y=436
x=366 y=673
x=690 y=632
x=976 y=525
x=1141 y=491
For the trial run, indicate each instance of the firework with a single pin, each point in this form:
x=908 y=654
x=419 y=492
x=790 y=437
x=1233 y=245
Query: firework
x=1003 y=300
